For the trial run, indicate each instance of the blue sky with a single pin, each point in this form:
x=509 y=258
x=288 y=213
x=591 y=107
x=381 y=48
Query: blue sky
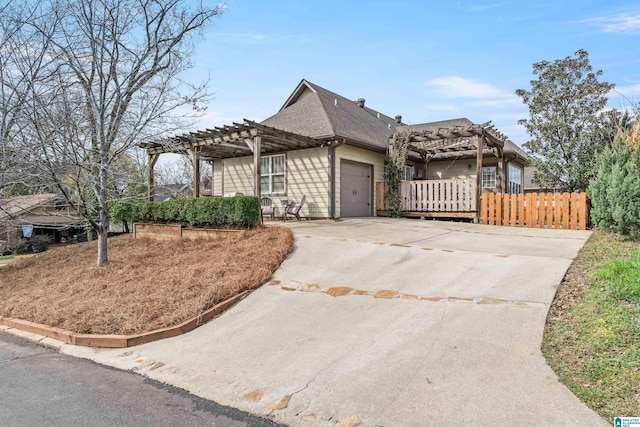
x=424 y=60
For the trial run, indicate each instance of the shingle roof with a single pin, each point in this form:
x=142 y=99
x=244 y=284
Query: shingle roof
x=319 y=113
x=316 y=112
x=13 y=206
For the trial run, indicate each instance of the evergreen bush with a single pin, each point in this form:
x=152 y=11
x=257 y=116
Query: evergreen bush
x=615 y=191
x=239 y=211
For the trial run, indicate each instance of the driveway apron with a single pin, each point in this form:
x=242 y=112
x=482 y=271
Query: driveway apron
x=385 y=322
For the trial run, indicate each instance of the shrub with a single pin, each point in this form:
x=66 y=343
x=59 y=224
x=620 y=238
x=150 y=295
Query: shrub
x=39 y=243
x=615 y=191
x=123 y=211
x=21 y=246
x=239 y=211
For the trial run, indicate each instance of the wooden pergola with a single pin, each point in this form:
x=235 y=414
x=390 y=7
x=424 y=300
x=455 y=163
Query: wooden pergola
x=428 y=142
x=237 y=140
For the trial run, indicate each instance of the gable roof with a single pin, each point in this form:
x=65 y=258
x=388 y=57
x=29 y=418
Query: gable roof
x=316 y=112
x=13 y=206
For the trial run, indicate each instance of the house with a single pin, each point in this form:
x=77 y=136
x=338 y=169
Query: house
x=334 y=150
x=38 y=214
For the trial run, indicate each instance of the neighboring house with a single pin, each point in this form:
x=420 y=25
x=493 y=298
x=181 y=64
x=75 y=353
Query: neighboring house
x=530 y=186
x=38 y=214
x=332 y=150
x=171 y=191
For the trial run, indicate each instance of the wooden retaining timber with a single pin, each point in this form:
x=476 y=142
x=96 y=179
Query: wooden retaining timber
x=177 y=231
x=568 y=211
x=121 y=341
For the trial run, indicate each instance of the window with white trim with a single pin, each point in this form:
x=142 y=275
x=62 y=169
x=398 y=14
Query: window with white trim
x=272 y=174
x=408 y=173
x=488 y=177
x=514 y=177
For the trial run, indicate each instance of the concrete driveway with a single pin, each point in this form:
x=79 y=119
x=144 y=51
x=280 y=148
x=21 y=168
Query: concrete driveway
x=390 y=322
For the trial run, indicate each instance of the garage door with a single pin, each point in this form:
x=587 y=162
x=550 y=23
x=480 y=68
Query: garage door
x=355 y=189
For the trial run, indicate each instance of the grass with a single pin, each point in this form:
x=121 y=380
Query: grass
x=592 y=336
x=7 y=257
x=147 y=284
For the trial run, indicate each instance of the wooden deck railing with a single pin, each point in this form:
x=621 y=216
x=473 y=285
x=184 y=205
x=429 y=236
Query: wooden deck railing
x=567 y=211
x=433 y=196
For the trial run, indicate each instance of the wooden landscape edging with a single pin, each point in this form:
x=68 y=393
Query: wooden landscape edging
x=567 y=211
x=177 y=231
x=121 y=341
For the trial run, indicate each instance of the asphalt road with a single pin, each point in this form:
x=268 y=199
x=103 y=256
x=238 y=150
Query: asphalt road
x=40 y=387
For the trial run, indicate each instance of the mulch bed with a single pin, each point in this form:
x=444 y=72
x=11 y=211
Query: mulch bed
x=147 y=284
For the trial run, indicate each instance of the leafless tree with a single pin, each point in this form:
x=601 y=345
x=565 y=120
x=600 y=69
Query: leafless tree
x=108 y=79
x=176 y=176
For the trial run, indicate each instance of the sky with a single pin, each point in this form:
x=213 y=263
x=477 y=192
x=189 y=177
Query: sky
x=424 y=60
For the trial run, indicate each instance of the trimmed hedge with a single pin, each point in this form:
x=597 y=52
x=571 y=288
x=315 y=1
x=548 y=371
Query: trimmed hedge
x=239 y=211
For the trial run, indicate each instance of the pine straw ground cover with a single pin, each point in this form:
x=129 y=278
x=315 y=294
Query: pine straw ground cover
x=592 y=335
x=147 y=284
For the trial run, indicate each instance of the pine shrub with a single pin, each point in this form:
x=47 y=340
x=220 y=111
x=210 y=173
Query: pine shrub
x=615 y=191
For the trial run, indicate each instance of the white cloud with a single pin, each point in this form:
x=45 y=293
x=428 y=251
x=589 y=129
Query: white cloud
x=259 y=38
x=630 y=92
x=478 y=7
x=460 y=87
x=624 y=23
x=441 y=107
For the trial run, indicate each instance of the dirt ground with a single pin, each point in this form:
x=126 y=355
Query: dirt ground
x=147 y=284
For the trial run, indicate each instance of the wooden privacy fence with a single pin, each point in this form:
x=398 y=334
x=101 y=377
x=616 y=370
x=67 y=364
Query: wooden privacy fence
x=568 y=211
x=441 y=195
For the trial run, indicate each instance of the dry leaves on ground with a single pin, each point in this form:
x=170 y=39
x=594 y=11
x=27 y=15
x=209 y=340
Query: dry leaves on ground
x=147 y=284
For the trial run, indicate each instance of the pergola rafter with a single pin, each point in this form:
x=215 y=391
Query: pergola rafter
x=428 y=142
x=455 y=138
x=229 y=141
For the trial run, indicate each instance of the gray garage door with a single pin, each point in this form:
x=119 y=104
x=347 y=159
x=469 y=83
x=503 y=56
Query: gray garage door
x=355 y=189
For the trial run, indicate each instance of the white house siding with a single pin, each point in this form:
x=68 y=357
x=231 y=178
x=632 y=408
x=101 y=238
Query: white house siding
x=307 y=175
x=238 y=175
x=455 y=169
x=348 y=152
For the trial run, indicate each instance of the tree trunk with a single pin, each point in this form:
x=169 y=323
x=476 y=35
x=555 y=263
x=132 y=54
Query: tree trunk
x=103 y=212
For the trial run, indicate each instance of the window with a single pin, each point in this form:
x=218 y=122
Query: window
x=514 y=176
x=488 y=177
x=272 y=174
x=408 y=173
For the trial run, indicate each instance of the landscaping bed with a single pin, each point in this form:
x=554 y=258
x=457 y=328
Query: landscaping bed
x=147 y=284
x=592 y=336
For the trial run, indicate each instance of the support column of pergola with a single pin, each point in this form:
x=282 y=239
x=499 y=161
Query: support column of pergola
x=151 y=190
x=239 y=140
x=429 y=142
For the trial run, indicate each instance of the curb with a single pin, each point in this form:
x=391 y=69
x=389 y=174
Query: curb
x=120 y=341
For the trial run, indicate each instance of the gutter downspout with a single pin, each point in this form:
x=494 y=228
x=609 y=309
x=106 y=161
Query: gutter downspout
x=332 y=178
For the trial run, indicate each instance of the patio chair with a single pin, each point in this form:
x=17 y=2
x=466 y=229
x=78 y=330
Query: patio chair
x=294 y=209
x=266 y=204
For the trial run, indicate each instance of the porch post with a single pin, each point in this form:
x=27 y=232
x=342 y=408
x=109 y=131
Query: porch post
x=256 y=166
x=500 y=174
x=153 y=158
x=195 y=160
x=480 y=140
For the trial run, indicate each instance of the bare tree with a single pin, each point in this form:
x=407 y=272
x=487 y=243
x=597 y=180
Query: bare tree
x=21 y=63
x=175 y=178
x=109 y=80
